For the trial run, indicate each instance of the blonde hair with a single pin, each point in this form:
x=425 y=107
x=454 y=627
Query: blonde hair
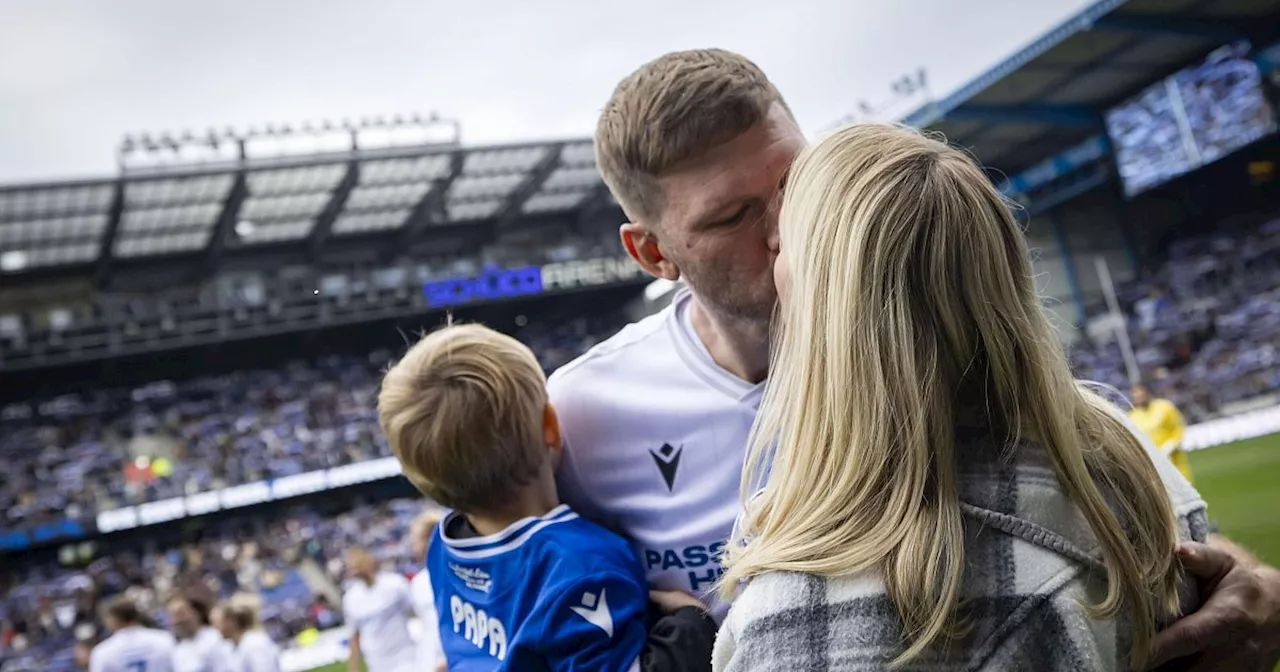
x=463 y=412
x=674 y=108
x=242 y=611
x=911 y=292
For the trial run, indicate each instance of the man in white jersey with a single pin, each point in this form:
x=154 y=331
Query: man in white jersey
x=251 y=649
x=430 y=651
x=656 y=418
x=695 y=145
x=131 y=647
x=377 y=606
x=200 y=647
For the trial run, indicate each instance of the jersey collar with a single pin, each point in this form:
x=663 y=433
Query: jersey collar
x=513 y=536
x=695 y=355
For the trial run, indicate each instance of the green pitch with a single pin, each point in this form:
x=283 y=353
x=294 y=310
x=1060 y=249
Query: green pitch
x=1241 y=483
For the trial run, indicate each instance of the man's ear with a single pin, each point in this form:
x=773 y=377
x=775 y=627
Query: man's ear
x=551 y=427
x=642 y=245
x=551 y=435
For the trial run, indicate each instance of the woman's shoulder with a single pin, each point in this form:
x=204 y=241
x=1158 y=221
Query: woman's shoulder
x=787 y=604
x=785 y=620
x=782 y=620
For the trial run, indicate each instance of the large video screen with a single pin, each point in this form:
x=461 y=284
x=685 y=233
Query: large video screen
x=1192 y=118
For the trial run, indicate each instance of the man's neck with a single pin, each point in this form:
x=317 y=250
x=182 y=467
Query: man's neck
x=738 y=346
x=528 y=504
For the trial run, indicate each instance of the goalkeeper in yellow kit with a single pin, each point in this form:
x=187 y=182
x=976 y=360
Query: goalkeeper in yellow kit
x=1160 y=420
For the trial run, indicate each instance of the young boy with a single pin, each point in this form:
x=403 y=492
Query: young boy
x=521 y=582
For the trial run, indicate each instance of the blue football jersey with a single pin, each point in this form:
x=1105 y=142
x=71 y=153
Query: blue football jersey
x=555 y=592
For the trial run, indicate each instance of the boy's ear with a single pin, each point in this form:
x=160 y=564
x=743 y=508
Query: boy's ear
x=551 y=428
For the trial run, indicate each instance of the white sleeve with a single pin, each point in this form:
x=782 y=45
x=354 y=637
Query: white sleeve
x=262 y=659
x=97 y=659
x=404 y=593
x=347 y=616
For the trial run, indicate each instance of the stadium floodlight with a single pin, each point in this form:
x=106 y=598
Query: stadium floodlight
x=151 y=152
x=245 y=228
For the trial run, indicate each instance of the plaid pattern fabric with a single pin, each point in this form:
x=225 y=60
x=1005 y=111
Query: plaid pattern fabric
x=1031 y=563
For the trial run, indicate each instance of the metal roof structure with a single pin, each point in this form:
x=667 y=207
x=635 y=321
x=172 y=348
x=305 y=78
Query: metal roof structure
x=1051 y=95
x=310 y=200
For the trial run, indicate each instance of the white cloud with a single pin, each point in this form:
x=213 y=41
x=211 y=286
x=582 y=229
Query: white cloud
x=76 y=75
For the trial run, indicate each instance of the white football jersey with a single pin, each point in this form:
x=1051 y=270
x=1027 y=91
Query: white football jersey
x=380 y=613
x=206 y=652
x=134 y=649
x=424 y=605
x=655 y=436
x=256 y=653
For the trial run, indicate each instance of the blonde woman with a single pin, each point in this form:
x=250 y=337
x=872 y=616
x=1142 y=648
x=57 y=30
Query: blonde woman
x=940 y=493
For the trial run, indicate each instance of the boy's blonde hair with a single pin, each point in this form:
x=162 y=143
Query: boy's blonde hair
x=463 y=412
x=672 y=109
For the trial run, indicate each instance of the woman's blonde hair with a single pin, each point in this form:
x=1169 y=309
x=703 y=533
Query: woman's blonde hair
x=910 y=294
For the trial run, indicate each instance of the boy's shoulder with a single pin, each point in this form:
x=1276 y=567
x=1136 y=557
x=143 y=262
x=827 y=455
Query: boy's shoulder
x=560 y=539
x=581 y=546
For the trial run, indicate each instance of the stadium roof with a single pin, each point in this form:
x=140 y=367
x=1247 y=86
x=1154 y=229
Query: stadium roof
x=311 y=200
x=1047 y=98
x=1051 y=95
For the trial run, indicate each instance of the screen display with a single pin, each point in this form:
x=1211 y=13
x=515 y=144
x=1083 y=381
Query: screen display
x=1192 y=118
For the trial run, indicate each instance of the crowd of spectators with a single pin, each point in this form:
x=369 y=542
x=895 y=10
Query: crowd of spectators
x=46 y=608
x=84 y=453
x=1204 y=325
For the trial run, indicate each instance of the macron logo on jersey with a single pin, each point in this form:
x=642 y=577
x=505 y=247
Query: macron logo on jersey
x=596 y=612
x=668 y=460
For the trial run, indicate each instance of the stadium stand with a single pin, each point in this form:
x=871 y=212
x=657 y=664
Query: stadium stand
x=1205 y=324
x=69 y=457
x=169 y=262
x=46 y=608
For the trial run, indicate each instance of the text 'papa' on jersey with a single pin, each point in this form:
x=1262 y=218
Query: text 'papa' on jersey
x=553 y=592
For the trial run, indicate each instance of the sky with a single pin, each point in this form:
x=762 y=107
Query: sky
x=77 y=75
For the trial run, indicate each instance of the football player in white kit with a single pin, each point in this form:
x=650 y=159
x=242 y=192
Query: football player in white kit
x=132 y=647
x=377 y=606
x=251 y=649
x=694 y=146
x=656 y=418
x=430 y=652
x=200 y=647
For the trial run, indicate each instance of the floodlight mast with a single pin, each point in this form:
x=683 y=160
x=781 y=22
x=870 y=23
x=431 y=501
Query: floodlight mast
x=229 y=148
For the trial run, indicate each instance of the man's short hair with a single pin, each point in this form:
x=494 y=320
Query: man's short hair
x=463 y=412
x=672 y=109
x=200 y=601
x=243 y=616
x=123 y=610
